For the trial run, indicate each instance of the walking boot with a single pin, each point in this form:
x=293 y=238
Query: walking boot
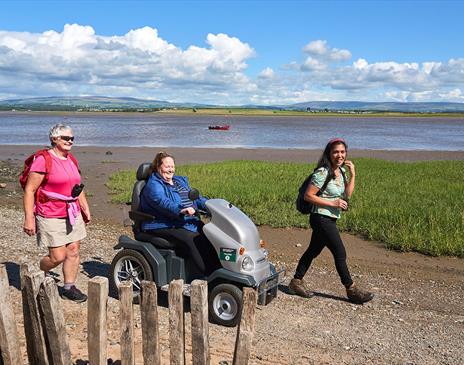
x=298 y=287
x=357 y=295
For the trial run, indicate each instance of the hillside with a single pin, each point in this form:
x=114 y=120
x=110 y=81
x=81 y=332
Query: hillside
x=97 y=103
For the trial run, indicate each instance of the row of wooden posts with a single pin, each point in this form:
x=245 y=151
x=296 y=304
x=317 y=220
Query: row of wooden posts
x=45 y=331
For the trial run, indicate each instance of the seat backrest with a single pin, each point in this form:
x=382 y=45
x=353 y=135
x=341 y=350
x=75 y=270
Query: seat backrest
x=143 y=172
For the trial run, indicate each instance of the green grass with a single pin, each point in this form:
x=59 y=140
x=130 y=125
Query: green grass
x=409 y=206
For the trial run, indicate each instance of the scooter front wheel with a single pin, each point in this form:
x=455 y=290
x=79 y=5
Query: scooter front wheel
x=130 y=265
x=225 y=304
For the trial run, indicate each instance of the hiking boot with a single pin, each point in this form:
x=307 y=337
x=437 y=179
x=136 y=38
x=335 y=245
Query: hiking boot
x=73 y=294
x=358 y=296
x=298 y=287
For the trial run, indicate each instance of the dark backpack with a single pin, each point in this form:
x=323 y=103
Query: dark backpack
x=48 y=166
x=303 y=206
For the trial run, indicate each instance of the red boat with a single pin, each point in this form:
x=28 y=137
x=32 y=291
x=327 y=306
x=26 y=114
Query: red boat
x=224 y=127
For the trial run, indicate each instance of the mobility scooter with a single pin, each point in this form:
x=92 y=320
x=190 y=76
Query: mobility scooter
x=235 y=238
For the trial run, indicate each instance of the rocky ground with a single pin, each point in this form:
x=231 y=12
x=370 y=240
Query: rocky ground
x=416 y=317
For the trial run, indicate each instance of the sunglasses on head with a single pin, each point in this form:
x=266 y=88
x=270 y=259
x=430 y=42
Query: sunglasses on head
x=67 y=138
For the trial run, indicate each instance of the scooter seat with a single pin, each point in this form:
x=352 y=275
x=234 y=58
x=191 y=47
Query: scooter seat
x=154 y=240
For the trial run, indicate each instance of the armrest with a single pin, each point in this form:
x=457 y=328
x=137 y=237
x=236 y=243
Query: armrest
x=136 y=215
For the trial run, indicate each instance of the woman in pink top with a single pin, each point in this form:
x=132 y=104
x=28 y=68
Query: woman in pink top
x=53 y=211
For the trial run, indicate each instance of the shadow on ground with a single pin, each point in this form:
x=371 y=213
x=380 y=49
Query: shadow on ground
x=97 y=267
x=284 y=289
x=12 y=269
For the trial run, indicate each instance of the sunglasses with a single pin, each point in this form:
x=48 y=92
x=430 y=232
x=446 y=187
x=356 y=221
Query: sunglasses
x=67 y=138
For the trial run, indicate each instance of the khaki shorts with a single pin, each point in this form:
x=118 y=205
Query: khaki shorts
x=56 y=232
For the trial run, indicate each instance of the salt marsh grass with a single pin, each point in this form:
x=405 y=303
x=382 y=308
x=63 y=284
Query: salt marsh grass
x=417 y=206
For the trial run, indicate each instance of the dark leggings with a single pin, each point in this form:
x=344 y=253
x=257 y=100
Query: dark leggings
x=325 y=233
x=192 y=244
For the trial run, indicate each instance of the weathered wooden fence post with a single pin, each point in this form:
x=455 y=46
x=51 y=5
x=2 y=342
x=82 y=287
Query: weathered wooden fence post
x=9 y=343
x=96 y=320
x=176 y=323
x=26 y=269
x=52 y=310
x=150 y=326
x=200 y=331
x=33 y=330
x=245 y=331
x=127 y=323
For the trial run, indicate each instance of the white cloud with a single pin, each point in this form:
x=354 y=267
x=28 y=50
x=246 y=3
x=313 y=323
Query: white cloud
x=267 y=73
x=319 y=50
x=316 y=48
x=312 y=64
x=140 y=63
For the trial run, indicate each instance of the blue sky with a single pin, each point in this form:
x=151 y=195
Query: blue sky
x=234 y=52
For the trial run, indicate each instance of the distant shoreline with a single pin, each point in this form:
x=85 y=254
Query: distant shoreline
x=224 y=112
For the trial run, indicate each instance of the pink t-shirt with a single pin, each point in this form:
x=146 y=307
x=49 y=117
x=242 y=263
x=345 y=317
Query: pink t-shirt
x=63 y=175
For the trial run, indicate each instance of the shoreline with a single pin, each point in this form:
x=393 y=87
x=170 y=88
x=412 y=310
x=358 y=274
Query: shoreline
x=241 y=113
x=184 y=155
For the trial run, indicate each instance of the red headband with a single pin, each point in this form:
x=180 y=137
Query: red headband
x=335 y=140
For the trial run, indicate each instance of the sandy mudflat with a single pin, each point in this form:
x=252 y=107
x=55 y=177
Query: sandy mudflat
x=92 y=154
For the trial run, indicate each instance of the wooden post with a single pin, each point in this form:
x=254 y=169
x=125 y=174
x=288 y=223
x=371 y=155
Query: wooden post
x=26 y=269
x=199 y=311
x=150 y=326
x=176 y=323
x=33 y=329
x=96 y=320
x=9 y=343
x=127 y=323
x=245 y=331
x=54 y=324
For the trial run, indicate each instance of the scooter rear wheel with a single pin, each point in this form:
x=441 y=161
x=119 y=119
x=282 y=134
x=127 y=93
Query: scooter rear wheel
x=130 y=265
x=225 y=304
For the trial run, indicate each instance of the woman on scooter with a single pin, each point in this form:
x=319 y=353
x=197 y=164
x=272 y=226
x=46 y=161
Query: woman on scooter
x=166 y=197
x=327 y=206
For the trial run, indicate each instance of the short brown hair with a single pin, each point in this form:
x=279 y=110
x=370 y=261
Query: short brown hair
x=158 y=161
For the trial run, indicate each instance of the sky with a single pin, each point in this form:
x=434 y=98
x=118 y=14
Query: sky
x=234 y=52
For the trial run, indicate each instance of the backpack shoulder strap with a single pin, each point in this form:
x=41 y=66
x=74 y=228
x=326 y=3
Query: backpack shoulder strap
x=48 y=163
x=74 y=160
x=345 y=181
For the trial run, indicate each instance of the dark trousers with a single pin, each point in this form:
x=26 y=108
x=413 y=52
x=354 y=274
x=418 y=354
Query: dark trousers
x=194 y=245
x=325 y=233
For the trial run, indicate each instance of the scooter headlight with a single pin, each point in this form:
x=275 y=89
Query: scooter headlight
x=247 y=263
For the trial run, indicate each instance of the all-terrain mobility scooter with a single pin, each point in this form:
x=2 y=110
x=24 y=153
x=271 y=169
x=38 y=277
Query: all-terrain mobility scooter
x=235 y=238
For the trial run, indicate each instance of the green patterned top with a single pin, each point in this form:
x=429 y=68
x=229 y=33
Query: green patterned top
x=335 y=189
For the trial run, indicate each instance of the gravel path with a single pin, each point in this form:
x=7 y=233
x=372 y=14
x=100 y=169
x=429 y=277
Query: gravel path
x=416 y=317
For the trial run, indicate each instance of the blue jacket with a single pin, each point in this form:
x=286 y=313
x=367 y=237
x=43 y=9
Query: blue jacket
x=161 y=199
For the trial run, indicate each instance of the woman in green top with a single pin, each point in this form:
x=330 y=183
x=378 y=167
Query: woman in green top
x=327 y=206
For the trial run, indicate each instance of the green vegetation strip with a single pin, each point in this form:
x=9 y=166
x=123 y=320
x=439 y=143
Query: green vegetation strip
x=415 y=206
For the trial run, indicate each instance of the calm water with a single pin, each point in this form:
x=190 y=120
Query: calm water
x=248 y=132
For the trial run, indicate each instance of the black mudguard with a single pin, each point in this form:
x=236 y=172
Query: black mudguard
x=227 y=276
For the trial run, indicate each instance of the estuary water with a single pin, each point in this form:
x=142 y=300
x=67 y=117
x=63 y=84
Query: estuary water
x=167 y=130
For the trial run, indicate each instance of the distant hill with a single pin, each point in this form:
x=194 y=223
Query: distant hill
x=125 y=103
x=90 y=102
x=431 y=107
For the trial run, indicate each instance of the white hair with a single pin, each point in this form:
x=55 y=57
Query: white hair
x=56 y=131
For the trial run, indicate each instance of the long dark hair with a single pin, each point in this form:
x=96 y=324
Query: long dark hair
x=324 y=160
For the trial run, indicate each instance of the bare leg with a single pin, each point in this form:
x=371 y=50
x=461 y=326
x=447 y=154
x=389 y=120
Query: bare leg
x=71 y=262
x=56 y=255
